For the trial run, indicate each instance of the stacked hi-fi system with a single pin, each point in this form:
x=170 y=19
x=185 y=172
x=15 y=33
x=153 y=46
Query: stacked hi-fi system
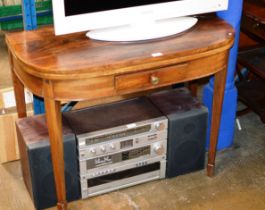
x=112 y=146
x=119 y=145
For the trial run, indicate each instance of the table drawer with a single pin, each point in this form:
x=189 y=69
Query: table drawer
x=132 y=82
x=147 y=79
x=253 y=26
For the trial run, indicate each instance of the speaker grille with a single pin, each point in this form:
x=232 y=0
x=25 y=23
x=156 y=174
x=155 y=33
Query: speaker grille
x=37 y=165
x=186 y=142
x=187 y=154
x=189 y=128
x=187 y=122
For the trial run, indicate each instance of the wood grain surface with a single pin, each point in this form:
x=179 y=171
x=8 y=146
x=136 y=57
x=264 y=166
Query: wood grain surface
x=253 y=19
x=8 y=137
x=45 y=55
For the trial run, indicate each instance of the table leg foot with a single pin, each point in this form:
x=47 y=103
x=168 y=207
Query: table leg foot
x=210 y=170
x=62 y=205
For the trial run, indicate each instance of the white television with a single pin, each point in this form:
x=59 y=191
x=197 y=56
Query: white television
x=130 y=20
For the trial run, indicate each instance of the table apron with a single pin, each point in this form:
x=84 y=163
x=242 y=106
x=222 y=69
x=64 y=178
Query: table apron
x=112 y=85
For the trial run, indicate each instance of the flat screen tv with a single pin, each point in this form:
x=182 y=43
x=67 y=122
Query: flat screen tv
x=129 y=20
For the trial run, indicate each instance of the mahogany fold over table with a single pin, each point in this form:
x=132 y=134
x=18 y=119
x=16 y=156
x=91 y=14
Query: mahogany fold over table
x=73 y=67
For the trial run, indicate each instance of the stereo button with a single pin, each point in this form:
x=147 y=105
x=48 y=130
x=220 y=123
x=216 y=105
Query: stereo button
x=159 y=126
x=112 y=146
x=93 y=151
x=159 y=149
x=103 y=148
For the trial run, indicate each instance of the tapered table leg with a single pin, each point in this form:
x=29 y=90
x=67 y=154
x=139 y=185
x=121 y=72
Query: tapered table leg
x=219 y=87
x=193 y=87
x=19 y=91
x=54 y=123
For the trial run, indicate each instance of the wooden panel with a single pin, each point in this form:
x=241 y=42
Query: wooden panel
x=245 y=41
x=255 y=9
x=127 y=83
x=252 y=26
x=75 y=56
x=84 y=89
x=105 y=100
x=253 y=19
x=5 y=76
x=34 y=84
x=2 y=104
x=8 y=137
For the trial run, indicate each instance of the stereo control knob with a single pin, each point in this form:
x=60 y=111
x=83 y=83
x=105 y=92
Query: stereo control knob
x=93 y=151
x=103 y=149
x=159 y=149
x=159 y=126
x=112 y=146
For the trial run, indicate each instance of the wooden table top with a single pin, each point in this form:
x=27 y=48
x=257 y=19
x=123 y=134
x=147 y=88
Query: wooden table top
x=47 y=56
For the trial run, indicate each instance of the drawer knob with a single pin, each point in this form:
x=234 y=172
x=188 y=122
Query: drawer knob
x=154 y=80
x=256 y=25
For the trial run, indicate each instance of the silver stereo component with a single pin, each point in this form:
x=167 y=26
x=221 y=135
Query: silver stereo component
x=122 y=156
x=93 y=166
x=101 y=137
x=124 y=175
x=122 y=144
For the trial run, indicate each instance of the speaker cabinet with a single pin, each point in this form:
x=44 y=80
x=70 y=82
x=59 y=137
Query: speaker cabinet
x=187 y=127
x=36 y=163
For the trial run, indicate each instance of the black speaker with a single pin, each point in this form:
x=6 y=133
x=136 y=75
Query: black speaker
x=187 y=125
x=36 y=162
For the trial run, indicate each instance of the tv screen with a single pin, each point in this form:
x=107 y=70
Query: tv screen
x=77 y=7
